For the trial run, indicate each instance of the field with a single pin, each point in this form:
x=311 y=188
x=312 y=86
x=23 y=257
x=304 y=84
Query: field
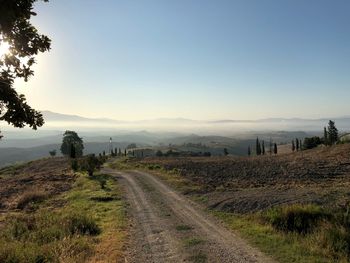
x=50 y=214
x=241 y=184
x=294 y=207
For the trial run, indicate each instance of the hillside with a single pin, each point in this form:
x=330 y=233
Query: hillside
x=244 y=184
x=48 y=213
x=14 y=148
x=50 y=176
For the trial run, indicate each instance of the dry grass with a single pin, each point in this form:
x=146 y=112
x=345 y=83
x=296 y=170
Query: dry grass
x=75 y=219
x=31 y=198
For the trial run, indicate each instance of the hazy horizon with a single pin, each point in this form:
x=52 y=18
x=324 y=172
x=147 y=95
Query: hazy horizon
x=195 y=60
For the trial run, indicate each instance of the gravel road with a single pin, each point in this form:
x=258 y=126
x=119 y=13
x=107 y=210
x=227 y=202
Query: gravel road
x=168 y=227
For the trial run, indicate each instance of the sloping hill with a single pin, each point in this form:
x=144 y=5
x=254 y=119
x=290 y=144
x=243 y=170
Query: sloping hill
x=243 y=184
x=50 y=176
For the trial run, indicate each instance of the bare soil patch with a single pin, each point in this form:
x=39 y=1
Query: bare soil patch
x=243 y=184
x=33 y=182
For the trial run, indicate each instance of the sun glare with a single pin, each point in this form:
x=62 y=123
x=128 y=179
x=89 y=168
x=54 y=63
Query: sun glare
x=4 y=48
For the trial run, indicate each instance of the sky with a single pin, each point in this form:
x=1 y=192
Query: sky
x=196 y=59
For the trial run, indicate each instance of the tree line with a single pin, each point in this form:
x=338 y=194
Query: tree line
x=330 y=137
x=260 y=148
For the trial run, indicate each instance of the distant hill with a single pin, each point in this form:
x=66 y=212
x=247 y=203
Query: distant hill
x=182 y=124
x=50 y=116
x=12 y=154
x=26 y=149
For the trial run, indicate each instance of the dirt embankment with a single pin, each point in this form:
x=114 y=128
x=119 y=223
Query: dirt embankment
x=244 y=184
x=43 y=177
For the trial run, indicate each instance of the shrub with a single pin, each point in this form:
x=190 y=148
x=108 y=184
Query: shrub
x=74 y=165
x=82 y=224
x=153 y=167
x=312 y=142
x=31 y=198
x=295 y=218
x=103 y=198
x=337 y=240
x=52 y=153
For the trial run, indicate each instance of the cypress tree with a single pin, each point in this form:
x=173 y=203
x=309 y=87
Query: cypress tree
x=249 y=151
x=333 y=135
x=293 y=146
x=258 y=147
x=275 y=148
x=297 y=144
x=225 y=151
x=300 y=145
x=325 y=136
x=263 y=147
x=125 y=152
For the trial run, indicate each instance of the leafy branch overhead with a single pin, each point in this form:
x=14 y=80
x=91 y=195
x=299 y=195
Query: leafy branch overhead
x=25 y=42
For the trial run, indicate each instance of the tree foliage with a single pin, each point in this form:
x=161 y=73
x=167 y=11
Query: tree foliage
x=297 y=144
x=263 y=148
x=258 y=147
x=325 y=136
x=312 y=142
x=25 y=43
x=72 y=143
x=333 y=134
x=225 y=151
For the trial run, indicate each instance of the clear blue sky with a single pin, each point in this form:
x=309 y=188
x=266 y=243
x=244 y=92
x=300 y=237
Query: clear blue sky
x=218 y=59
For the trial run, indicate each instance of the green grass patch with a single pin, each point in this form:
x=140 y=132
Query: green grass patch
x=192 y=241
x=297 y=233
x=183 y=228
x=92 y=221
x=200 y=257
x=296 y=218
x=31 y=198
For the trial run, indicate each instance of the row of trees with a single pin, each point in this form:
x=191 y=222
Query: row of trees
x=330 y=134
x=260 y=148
x=297 y=145
x=330 y=137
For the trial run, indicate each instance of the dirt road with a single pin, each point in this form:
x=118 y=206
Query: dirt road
x=168 y=227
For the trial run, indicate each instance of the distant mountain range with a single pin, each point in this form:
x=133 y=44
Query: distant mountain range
x=203 y=127
x=50 y=116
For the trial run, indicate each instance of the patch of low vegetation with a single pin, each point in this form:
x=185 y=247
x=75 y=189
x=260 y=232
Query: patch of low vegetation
x=31 y=198
x=45 y=237
x=301 y=219
x=183 y=228
x=91 y=226
x=296 y=233
x=192 y=241
x=200 y=257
